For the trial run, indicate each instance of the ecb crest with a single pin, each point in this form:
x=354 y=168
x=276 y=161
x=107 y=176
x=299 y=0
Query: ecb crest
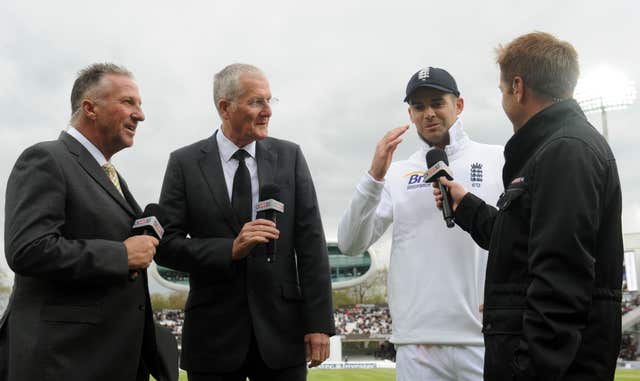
x=476 y=175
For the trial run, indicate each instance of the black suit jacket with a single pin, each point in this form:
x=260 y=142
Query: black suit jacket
x=73 y=315
x=228 y=300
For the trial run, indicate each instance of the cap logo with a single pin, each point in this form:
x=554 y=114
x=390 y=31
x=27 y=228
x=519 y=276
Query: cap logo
x=424 y=74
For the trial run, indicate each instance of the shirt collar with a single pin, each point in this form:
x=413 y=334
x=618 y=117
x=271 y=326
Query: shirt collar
x=93 y=150
x=227 y=148
x=537 y=130
x=458 y=138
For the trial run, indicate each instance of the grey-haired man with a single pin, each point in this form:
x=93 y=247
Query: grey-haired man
x=247 y=316
x=75 y=312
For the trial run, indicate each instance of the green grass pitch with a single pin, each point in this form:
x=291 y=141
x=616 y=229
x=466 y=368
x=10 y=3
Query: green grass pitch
x=390 y=375
x=627 y=375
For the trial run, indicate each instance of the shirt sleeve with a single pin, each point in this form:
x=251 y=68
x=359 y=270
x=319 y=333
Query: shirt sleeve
x=366 y=218
x=474 y=216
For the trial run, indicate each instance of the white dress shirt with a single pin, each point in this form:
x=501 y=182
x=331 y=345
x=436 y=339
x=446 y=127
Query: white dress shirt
x=93 y=150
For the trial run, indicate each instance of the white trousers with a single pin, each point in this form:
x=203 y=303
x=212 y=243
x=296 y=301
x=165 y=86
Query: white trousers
x=425 y=362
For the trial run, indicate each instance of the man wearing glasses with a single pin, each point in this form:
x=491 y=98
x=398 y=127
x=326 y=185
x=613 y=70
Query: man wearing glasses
x=247 y=316
x=436 y=275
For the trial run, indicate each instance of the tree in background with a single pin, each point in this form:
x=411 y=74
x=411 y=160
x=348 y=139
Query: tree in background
x=173 y=301
x=342 y=298
x=371 y=291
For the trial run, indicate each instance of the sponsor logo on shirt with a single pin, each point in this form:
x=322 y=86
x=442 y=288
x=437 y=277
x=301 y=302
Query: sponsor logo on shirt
x=415 y=180
x=476 y=175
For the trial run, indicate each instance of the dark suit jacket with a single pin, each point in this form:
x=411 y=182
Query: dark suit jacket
x=228 y=300
x=73 y=315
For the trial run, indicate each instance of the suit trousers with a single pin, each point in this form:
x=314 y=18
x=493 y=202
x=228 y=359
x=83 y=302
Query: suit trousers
x=255 y=369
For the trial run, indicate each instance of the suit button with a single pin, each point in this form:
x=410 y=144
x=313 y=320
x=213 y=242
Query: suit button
x=141 y=307
x=488 y=327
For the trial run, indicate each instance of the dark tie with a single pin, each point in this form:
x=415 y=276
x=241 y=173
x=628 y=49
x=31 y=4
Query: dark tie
x=241 y=192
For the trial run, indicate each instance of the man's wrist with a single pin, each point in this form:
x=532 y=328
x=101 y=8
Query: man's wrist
x=374 y=179
x=370 y=187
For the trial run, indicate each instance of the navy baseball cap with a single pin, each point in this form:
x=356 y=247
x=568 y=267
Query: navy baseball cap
x=432 y=77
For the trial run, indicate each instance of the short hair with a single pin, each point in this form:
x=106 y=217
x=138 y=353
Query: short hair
x=546 y=64
x=226 y=83
x=88 y=81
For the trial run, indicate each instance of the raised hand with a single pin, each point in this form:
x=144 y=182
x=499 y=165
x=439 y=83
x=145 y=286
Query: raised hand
x=384 y=152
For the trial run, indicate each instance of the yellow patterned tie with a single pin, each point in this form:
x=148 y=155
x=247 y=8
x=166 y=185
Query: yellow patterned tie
x=113 y=176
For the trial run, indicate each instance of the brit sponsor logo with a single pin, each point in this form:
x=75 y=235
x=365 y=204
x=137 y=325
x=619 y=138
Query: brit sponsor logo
x=476 y=175
x=415 y=180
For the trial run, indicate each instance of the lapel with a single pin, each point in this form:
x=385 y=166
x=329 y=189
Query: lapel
x=211 y=168
x=129 y=197
x=267 y=160
x=89 y=164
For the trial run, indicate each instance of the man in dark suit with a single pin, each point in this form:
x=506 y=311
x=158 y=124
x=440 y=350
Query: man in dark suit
x=245 y=316
x=80 y=308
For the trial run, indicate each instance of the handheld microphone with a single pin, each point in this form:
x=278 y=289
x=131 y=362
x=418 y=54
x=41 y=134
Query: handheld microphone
x=269 y=209
x=438 y=166
x=148 y=224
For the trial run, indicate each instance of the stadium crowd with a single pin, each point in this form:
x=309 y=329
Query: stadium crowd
x=363 y=319
x=368 y=320
x=173 y=320
x=629 y=344
x=630 y=301
x=374 y=321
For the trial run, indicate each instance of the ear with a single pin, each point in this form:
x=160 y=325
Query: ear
x=88 y=108
x=517 y=87
x=225 y=107
x=459 y=105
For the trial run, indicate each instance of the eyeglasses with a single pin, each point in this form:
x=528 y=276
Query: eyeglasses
x=260 y=103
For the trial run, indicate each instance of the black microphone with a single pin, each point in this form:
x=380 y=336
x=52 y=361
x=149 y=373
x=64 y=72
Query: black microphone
x=269 y=209
x=148 y=224
x=438 y=166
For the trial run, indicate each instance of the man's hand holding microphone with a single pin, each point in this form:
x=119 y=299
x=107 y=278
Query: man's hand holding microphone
x=264 y=228
x=456 y=191
x=145 y=237
x=140 y=250
x=440 y=176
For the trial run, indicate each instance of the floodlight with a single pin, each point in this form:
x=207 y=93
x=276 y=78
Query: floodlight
x=604 y=89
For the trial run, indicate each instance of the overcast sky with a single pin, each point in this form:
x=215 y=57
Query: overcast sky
x=339 y=68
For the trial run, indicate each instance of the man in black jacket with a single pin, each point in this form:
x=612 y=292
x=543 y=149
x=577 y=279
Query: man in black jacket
x=247 y=316
x=552 y=295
